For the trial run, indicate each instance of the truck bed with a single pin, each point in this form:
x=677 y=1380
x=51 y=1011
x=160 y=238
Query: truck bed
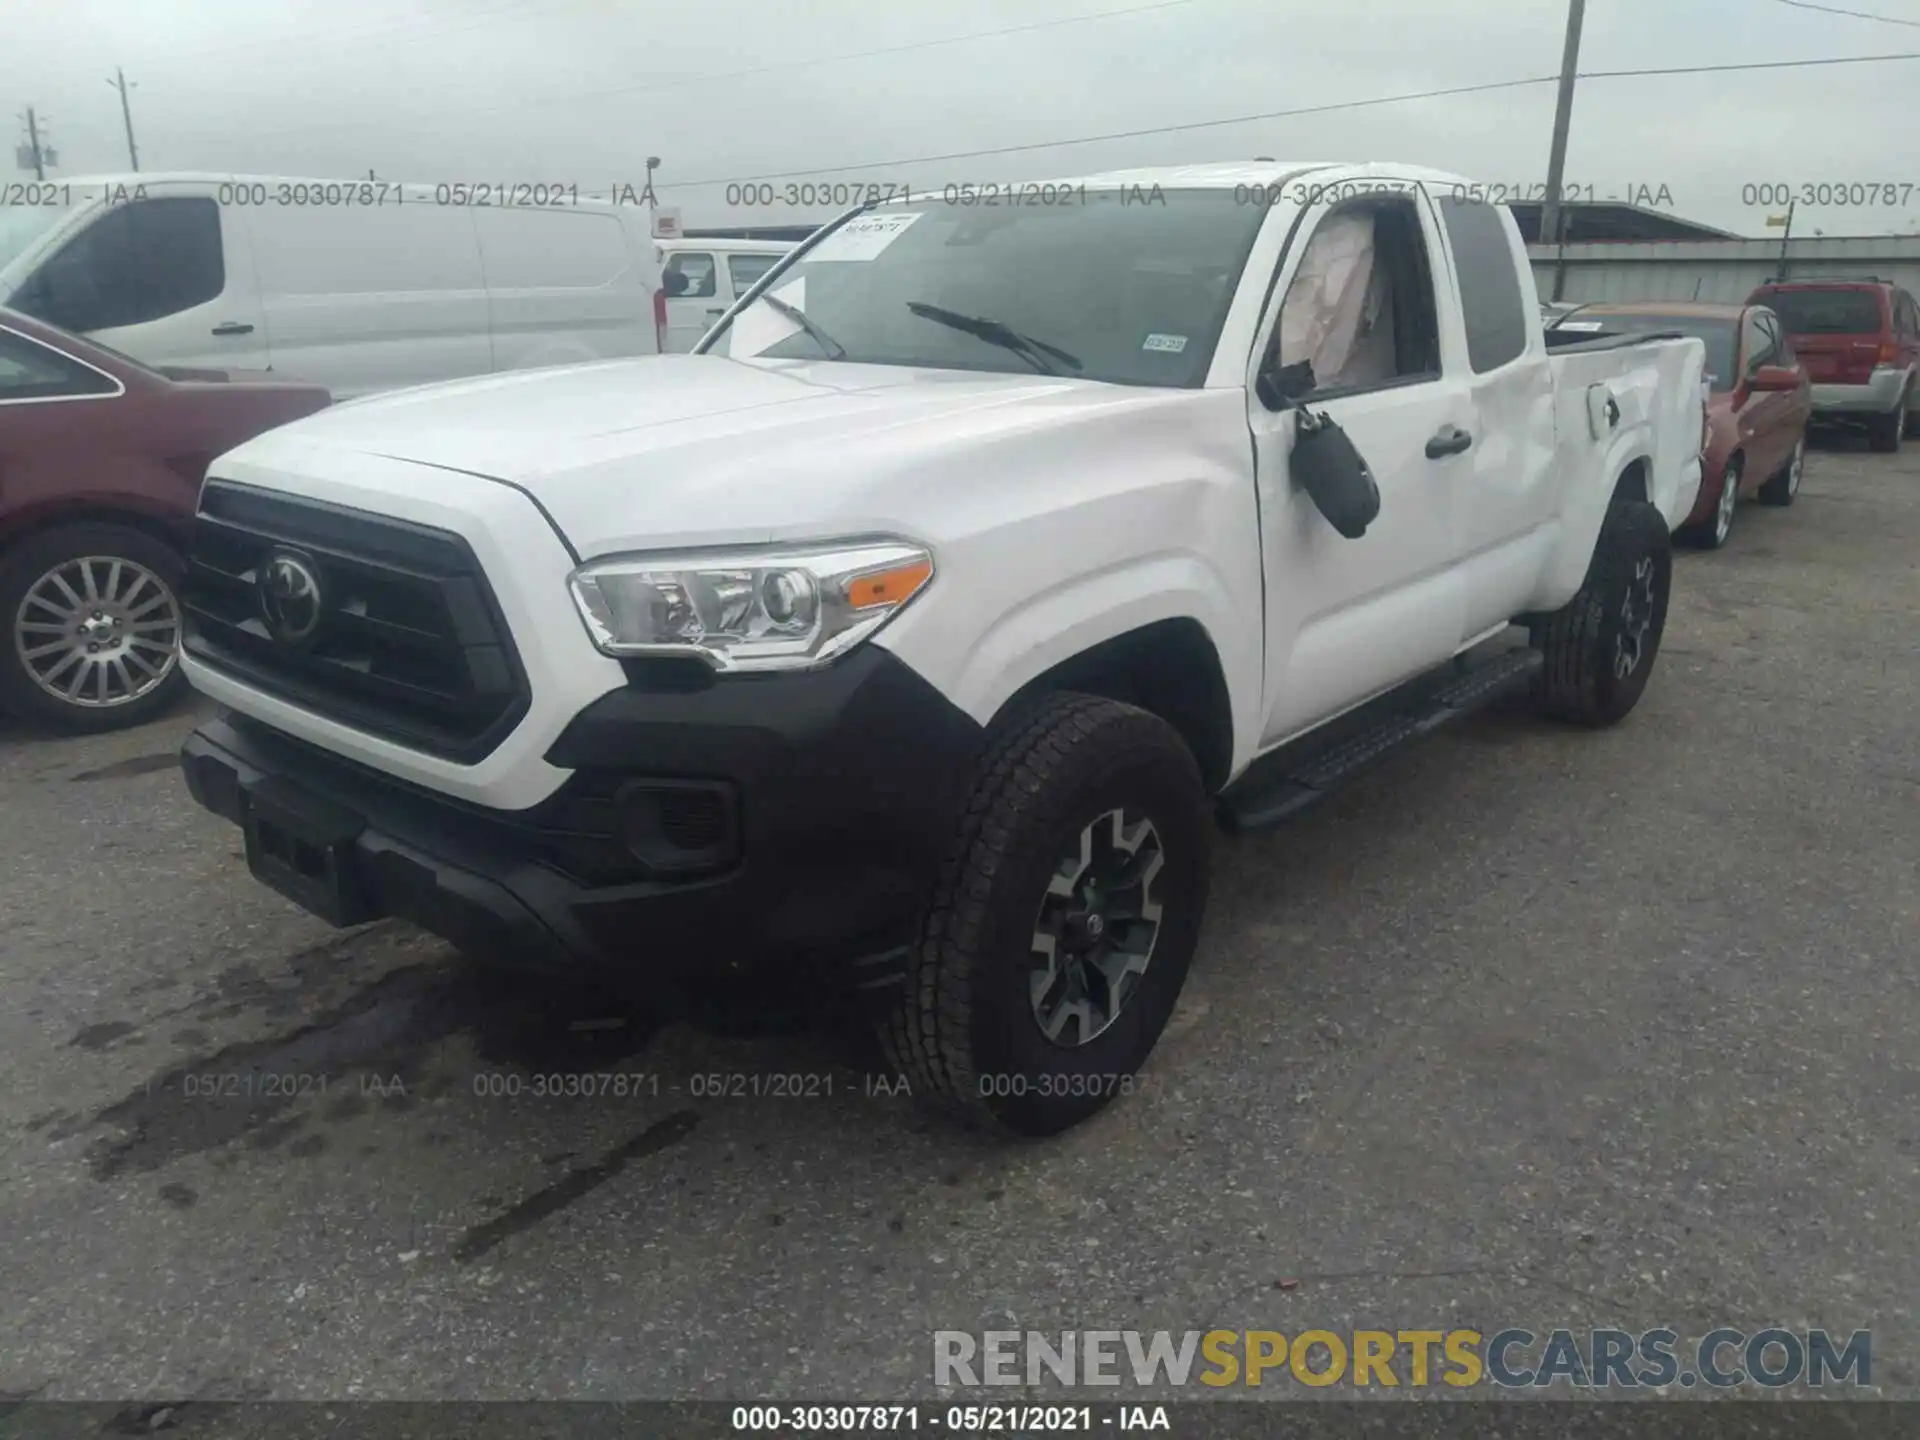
x=1622 y=401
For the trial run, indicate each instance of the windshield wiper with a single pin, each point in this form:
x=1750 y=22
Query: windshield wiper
x=998 y=332
x=835 y=350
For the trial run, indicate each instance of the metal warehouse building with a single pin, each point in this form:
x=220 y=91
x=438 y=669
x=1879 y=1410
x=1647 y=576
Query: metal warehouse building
x=1627 y=253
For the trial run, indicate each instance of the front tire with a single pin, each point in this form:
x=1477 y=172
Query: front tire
x=1062 y=923
x=1884 y=432
x=1601 y=646
x=90 y=628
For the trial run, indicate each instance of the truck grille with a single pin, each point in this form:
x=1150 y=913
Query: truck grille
x=381 y=624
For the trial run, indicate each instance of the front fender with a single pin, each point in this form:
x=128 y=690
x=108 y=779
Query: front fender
x=1008 y=650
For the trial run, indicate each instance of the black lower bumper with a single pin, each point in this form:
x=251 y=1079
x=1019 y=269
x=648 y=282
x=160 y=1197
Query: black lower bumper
x=826 y=802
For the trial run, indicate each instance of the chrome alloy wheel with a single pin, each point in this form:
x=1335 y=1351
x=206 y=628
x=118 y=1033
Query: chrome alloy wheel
x=1729 y=498
x=98 y=631
x=1796 y=465
x=1636 y=618
x=1095 y=932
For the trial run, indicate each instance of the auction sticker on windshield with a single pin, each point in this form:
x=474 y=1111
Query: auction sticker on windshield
x=863 y=238
x=1171 y=344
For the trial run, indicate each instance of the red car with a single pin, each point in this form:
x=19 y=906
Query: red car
x=101 y=460
x=1861 y=343
x=1759 y=400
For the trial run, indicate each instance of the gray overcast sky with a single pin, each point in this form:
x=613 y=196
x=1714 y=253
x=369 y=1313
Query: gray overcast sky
x=581 y=91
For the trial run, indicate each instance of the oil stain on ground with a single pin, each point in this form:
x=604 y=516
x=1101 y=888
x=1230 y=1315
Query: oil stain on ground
x=262 y=1092
x=127 y=769
x=545 y=1203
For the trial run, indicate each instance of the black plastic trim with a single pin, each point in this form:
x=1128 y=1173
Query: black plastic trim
x=847 y=786
x=440 y=720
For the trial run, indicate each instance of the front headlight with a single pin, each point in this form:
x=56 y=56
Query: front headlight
x=749 y=610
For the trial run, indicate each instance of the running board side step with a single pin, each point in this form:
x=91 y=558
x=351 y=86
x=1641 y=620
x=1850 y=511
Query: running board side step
x=1281 y=785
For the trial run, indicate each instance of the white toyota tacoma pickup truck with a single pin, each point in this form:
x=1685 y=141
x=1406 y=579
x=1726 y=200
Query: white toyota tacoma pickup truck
x=915 y=630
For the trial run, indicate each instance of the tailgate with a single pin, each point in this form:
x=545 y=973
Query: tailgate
x=1838 y=359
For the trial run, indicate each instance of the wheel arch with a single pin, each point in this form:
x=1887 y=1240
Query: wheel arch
x=1170 y=668
x=164 y=527
x=1633 y=480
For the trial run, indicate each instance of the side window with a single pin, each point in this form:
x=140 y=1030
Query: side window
x=690 y=276
x=746 y=270
x=1496 y=318
x=31 y=371
x=1909 y=317
x=1765 y=348
x=1359 y=311
x=140 y=261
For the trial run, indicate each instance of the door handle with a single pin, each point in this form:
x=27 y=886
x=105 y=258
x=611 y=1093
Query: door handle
x=1450 y=440
x=716 y=314
x=233 y=327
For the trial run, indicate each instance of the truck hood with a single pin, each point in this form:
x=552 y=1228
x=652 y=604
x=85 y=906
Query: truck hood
x=689 y=450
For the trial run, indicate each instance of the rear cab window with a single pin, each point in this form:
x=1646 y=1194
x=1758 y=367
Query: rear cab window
x=1490 y=302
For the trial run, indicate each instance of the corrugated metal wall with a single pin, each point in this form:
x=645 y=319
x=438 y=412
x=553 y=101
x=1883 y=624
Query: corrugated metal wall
x=1722 y=271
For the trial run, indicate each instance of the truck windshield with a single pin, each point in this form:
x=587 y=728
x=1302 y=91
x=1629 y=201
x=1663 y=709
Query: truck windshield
x=1128 y=286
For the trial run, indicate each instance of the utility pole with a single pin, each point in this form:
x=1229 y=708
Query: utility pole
x=1786 y=234
x=1562 y=117
x=32 y=157
x=119 y=82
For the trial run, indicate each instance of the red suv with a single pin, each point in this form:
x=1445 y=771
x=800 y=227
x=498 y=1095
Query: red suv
x=1860 y=342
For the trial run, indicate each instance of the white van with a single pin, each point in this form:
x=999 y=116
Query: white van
x=700 y=280
x=358 y=285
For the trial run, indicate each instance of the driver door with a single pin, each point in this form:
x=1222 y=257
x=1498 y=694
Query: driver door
x=1347 y=619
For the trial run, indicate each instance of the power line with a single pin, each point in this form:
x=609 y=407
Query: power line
x=1132 y=134
x=1286 y=114
x=1855 y=14
x=1749 y=65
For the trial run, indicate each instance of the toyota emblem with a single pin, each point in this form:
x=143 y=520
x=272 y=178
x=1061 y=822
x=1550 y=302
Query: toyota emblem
x=290 y=597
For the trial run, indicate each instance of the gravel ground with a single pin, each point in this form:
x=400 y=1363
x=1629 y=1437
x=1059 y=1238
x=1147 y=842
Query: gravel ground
x=1529 y=1027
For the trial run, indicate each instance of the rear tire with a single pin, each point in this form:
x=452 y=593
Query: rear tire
x=1884 y=432
x=91 y=584
x=1070 y=901
x=1601 y=646
x=1783 y=486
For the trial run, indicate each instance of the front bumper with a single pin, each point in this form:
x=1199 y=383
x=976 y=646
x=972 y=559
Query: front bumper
x=846 y=786
x=1879 y=396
